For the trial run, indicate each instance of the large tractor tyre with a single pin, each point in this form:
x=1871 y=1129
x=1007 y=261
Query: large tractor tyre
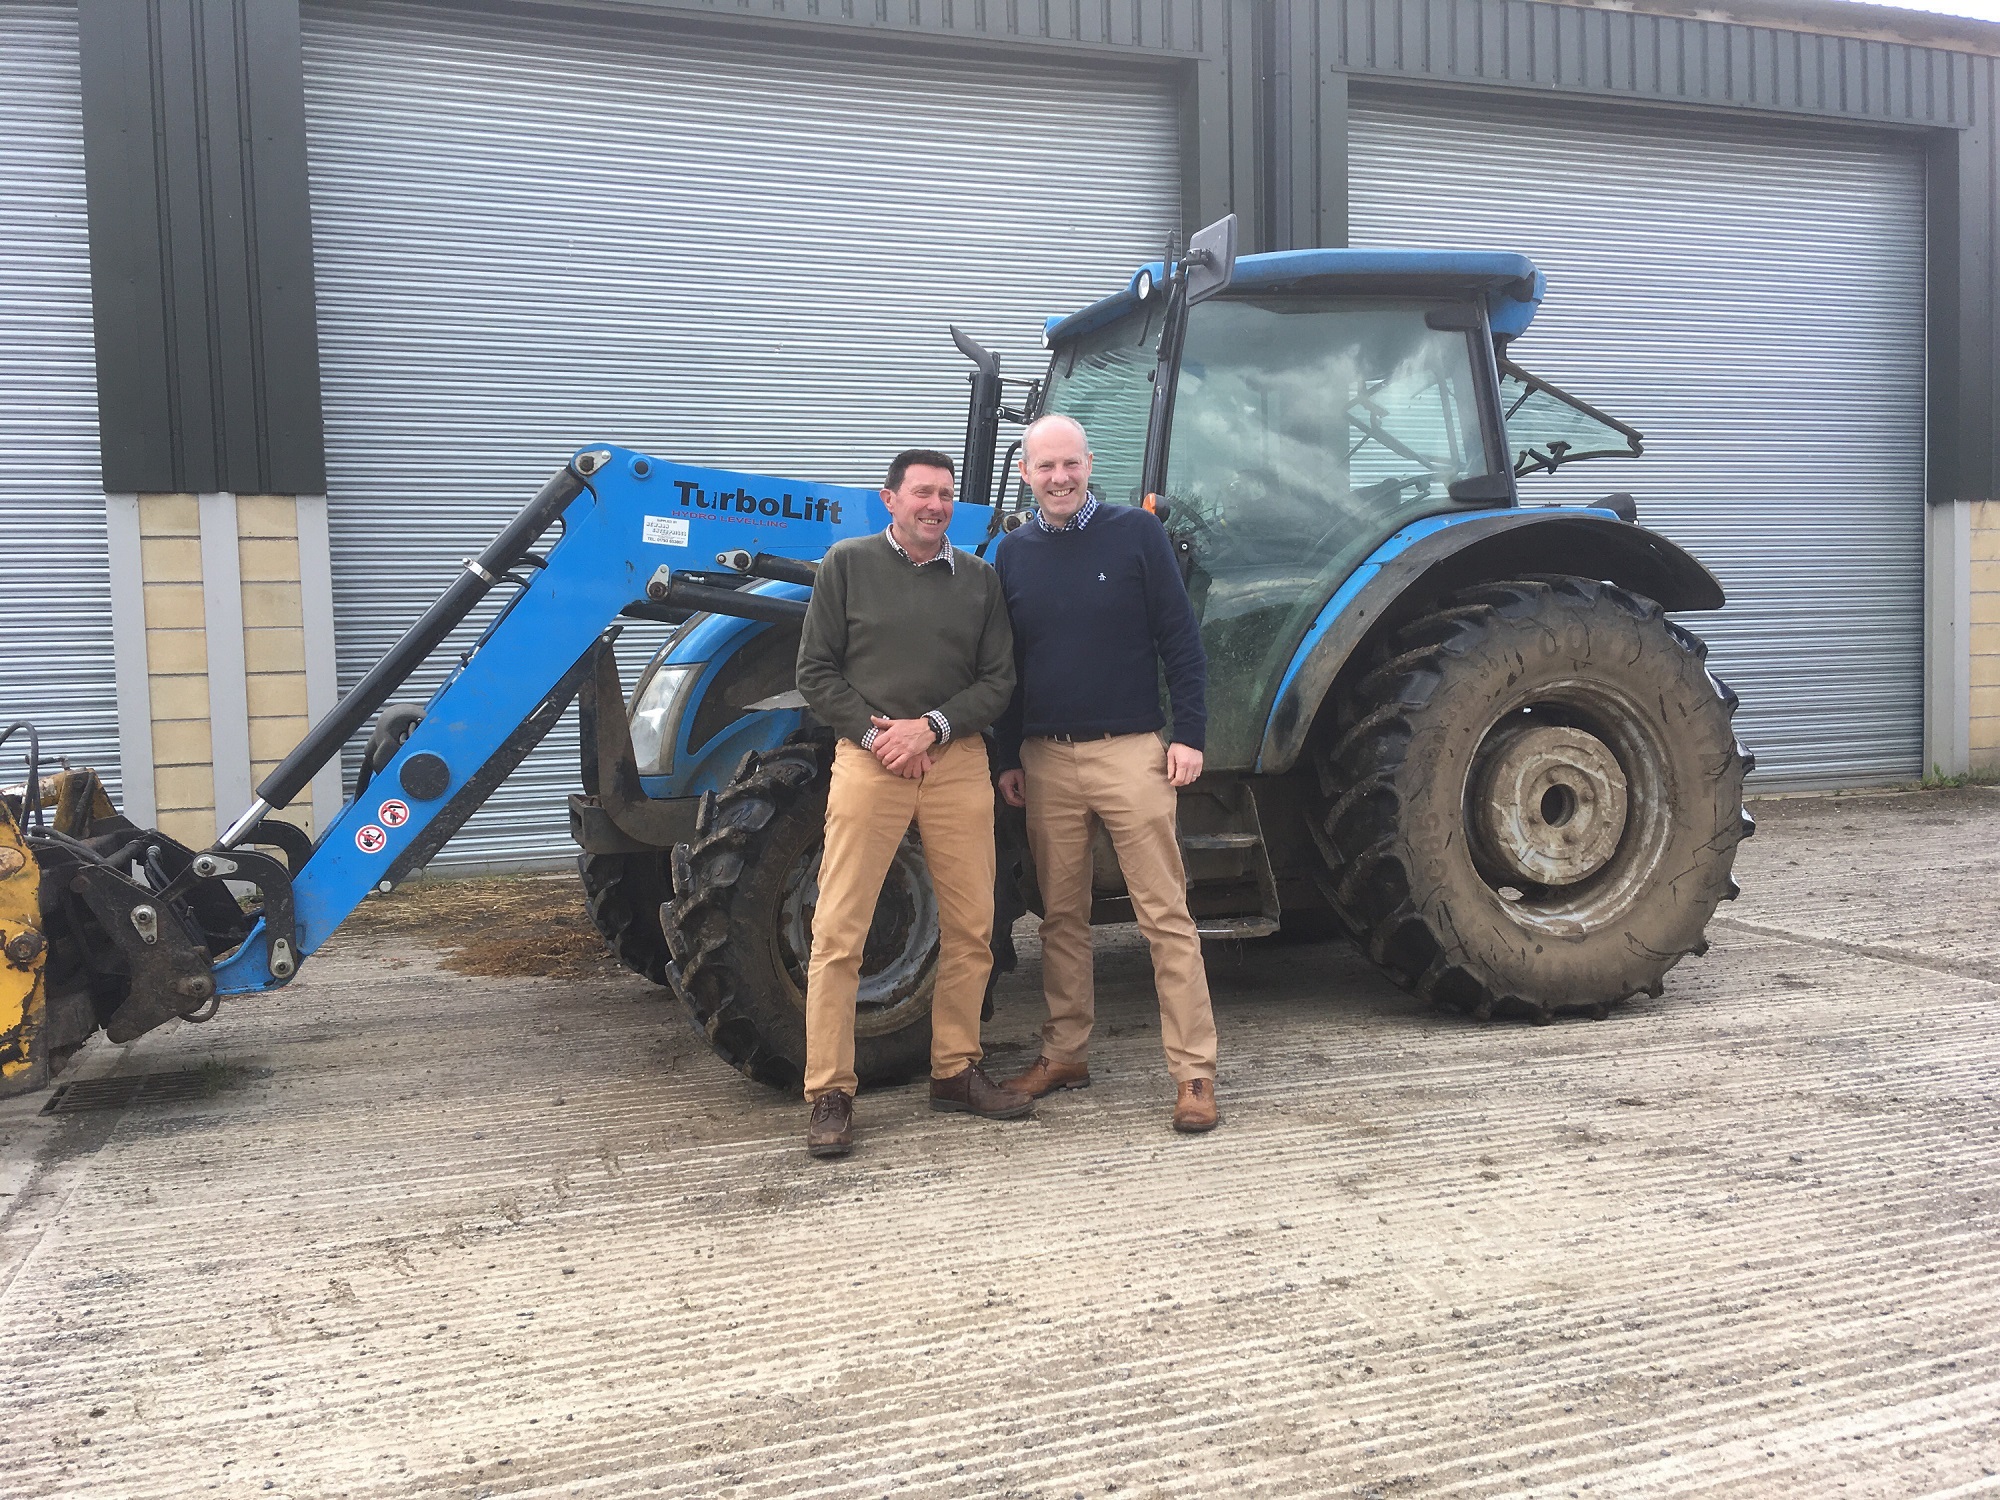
x=740 y=928
x=624 y=893
x=1534 y=800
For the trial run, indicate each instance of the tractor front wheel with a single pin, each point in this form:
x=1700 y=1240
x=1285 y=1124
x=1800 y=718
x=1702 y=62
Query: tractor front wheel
x=1534 y=800
x=624 y=893
x=740 y=928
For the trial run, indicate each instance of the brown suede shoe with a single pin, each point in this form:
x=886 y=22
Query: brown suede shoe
x=1194 y=1107
x=976 y=1094
x=830 y=1131
x=1048 y=1075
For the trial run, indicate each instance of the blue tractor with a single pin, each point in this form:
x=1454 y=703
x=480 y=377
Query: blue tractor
x=1460 y=729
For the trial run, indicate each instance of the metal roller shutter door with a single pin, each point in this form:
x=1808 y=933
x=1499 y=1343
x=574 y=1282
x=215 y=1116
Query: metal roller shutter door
x=1752 y=299
x=532 y=233
x=55 y=585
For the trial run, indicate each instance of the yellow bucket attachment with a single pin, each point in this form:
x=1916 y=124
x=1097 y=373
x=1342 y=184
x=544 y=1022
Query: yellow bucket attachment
x=23 y=952
x=70 y=801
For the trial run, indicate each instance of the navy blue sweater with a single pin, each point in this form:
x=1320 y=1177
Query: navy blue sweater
x=1096 y=614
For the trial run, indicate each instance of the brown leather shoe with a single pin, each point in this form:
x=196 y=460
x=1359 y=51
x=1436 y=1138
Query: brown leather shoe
x=1048 y=1075
x=976 y=1094
x=830 y=1131
x=1194 y=1107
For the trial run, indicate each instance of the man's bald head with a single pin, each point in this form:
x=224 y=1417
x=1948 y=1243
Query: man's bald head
x=1055 y=461
x=1053 y=423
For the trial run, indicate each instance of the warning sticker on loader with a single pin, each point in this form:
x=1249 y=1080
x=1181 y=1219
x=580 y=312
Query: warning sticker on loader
x=369 y=839
x=666 y=531
x=394 y=813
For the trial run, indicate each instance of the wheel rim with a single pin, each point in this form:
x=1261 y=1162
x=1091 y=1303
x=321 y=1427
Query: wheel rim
x=900 y=956
x=1565 y=807
x=1549 y=803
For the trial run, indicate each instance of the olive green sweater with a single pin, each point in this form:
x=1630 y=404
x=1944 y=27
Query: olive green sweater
x=884 y=636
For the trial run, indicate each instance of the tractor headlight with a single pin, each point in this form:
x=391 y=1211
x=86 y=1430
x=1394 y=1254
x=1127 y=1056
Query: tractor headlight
x=656 y=714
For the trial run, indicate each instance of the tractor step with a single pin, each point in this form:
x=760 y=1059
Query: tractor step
x=1231 y=887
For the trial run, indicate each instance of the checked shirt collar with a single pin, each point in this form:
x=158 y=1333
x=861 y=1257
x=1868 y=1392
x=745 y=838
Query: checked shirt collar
x=1076 y=522
x=944 y=554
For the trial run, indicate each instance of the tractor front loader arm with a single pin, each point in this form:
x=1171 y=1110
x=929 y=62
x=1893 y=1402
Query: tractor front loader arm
x=157 y=933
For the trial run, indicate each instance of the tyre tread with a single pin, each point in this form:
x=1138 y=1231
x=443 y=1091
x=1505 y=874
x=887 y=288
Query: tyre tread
x=1358 y=767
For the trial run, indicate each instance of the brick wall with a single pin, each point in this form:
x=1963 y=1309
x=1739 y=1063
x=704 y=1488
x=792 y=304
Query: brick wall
x=177 y=602
x=274 y=638
x=177 y=667
x=1985 y=736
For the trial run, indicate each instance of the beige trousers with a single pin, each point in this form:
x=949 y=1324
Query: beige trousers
x=868 y=810
x=1123 y=783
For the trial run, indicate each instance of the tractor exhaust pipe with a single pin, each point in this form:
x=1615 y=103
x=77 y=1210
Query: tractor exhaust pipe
x=982 y=421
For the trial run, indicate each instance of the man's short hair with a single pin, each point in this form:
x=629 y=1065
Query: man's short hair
x=922 y=458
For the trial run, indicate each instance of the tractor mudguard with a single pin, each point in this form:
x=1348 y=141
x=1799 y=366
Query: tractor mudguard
x=1428 y=559
x=744 y=662
x=622 y=811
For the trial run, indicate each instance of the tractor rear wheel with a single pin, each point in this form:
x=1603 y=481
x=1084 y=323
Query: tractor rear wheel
x=624 y=893
x=740 y=928
x=1534 y=800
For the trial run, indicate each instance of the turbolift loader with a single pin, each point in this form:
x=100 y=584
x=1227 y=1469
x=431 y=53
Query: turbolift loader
x=1462 y=730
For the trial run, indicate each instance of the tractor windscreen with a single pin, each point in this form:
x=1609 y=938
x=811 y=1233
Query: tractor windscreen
x=1104 y=379
x=1306 y=430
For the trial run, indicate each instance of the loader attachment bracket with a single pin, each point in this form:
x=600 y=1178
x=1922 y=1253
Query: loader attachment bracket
x=168 y=972
x=288 y=838
x=273 y=883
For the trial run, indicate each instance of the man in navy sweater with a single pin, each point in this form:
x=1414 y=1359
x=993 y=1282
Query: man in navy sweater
x=1098 y=608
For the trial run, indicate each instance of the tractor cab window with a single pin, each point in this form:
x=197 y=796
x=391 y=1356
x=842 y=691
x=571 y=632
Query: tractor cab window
x=1104 y=379
x=1306 y=431
x=1547 y=428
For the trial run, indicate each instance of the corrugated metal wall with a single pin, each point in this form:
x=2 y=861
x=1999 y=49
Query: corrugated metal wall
x=528 y=238
x=1717 y=56
x=1752 y=299
x=55 y=592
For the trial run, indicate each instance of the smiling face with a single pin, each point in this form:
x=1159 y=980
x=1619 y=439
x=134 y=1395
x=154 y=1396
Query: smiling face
x=920 y=510
x=1055 y=460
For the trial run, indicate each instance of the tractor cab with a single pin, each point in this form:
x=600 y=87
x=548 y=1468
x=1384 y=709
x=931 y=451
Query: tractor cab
x=1287 y=414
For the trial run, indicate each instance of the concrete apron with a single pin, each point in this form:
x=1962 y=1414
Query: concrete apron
x=442 y=1235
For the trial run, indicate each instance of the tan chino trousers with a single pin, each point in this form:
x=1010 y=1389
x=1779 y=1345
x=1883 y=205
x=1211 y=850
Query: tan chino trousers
x=1123 y=782
x=868 y=810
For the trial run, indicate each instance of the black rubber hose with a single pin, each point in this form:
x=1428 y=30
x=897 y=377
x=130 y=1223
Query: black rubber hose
x=682 y=598
x=783 y=569
x=394 y=669
x=31 y=794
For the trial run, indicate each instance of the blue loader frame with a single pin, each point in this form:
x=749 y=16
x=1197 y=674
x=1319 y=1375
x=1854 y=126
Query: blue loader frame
x=628 y=523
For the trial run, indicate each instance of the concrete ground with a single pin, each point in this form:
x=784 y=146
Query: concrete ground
x=407 y=1231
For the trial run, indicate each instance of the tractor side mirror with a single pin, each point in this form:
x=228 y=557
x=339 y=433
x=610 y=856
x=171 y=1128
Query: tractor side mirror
x=1210 y=261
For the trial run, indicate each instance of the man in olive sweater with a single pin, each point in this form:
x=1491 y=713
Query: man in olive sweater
x=906 y=653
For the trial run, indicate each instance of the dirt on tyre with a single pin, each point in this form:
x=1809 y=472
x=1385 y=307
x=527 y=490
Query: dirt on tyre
x=1533 y=801
x=624 y=893
x=740 y=929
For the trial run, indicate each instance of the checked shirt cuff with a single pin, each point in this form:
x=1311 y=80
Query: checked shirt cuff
x=940 y=726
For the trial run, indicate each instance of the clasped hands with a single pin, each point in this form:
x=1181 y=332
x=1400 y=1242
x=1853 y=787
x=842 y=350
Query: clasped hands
x=903 y=745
